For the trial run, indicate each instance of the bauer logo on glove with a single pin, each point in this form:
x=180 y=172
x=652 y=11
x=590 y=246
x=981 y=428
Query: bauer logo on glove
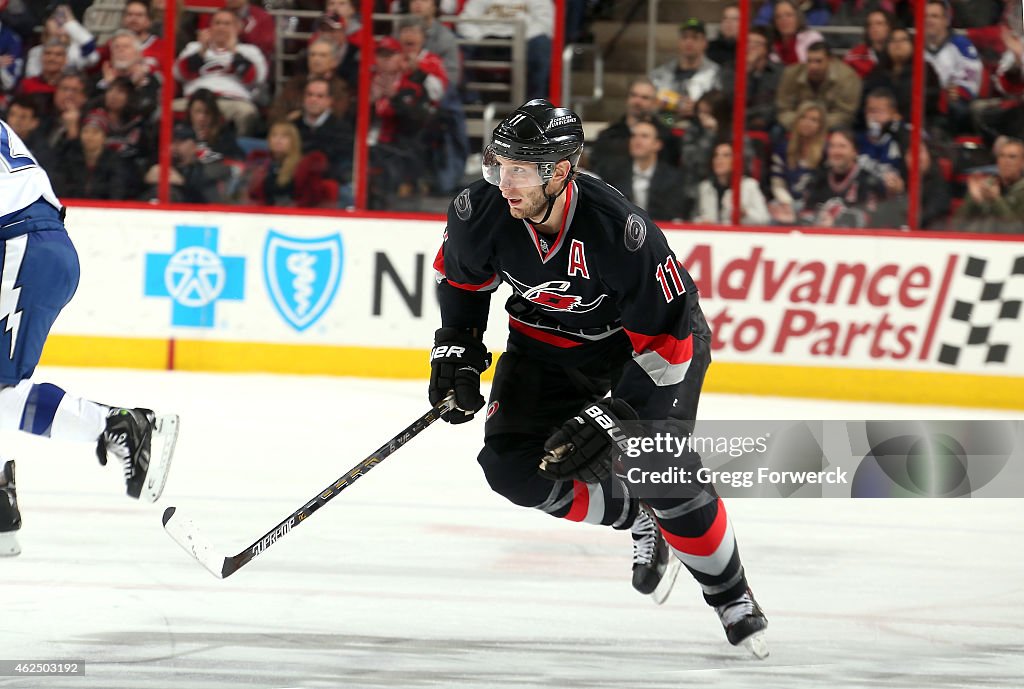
x=584 y=447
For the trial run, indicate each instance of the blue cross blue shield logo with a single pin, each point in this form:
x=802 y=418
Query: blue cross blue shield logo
x=302 y=275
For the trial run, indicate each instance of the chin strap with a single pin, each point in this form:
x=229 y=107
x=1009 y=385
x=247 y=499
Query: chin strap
x=552 y=197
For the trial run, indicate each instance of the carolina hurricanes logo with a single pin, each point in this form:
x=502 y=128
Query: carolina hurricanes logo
x=551 y=296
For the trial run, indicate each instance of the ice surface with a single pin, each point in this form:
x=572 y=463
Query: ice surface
x=419 y=576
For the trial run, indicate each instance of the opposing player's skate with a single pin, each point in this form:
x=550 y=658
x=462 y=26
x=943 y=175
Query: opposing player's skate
x=745 y=624
x=129 y=438
x=10 y=517
x=654 y=567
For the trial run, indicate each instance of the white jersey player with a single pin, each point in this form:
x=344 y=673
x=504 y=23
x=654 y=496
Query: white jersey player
x=39 y=274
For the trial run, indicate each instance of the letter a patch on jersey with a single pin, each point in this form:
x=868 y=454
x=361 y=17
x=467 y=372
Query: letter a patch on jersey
x=577 y=260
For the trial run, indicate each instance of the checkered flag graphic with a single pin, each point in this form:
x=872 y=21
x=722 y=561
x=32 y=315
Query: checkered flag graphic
x=997 y=302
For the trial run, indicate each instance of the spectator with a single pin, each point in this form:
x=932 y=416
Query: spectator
x=11 y=62
x=715 y=193
x=763 y=78
x=842 y=194
x=321 y=63
x=88 y=169
x=137 y=19
x=1006 y=113
x=792 y=37
x=645 y=180
x=995 y=197
x=895 y=72
x=126 y=61
x=885 y=138
x=823 y=79
x=289 y=178
x=232 y=70
x=955 y=61
x=191 y=180
x=712 y=122
x=215 y=136
x=935 y=194
x=332 y=27
x=446 y=140
x=25 y=115
x=322 y=131
x=402 y=110
x=53 y=61
x=722 y=49
x=795 y=161
x=62 y=25
x=976 y=13
x=864 y=56
x=816 y=12
x=538 y=18
x=64 y=119
x=258 y=27
x=610 y=150
x=127 y=134
x=684 y=80
x=439 y=39
x=349 y=13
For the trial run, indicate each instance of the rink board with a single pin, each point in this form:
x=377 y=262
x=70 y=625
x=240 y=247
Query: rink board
x=849 y=316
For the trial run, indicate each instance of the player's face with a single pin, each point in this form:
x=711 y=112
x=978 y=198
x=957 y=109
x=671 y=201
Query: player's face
x=520 y=182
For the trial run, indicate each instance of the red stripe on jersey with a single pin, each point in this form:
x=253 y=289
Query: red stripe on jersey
x=580 y=502
x=702 y=546
x=671 y=349
x=439 y=267
x=542 y=336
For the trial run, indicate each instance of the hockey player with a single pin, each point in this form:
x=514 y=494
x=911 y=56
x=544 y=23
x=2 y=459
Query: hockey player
x=599 y=305
x=38 y=276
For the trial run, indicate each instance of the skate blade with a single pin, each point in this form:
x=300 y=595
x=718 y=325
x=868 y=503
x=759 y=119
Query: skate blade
x=668 y=579
x=757 y=644
x=165 y=430
x=9 y=544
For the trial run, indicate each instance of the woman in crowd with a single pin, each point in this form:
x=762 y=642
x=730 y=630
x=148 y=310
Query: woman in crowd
x=88 y=169
x=287 y=177
x=792 y=37
x=213 y=132
x=795 y=160
x=714 y=195
x=895 y=71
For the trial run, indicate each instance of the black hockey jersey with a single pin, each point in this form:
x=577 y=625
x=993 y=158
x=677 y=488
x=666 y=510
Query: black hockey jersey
x=606 y=276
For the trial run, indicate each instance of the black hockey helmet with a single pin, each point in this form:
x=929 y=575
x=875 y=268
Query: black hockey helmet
x=536 y=132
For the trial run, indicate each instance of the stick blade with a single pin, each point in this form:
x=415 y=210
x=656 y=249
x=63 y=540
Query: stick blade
x=186 y=534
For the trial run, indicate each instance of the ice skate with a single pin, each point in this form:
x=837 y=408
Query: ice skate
x=129 y=438
x=10 y=517
x=745 y=624
x=654 y=567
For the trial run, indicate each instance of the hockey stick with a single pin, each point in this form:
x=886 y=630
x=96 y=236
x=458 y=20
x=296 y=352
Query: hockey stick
x=186 y=534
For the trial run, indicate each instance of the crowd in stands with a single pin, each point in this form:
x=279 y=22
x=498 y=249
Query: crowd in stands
x=827 y=123
x=826 y=119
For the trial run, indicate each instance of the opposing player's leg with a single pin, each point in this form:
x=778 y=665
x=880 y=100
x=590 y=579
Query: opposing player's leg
x=46 y=266
x=10 y=516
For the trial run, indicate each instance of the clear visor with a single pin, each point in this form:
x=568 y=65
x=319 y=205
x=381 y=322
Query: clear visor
x=510 y=174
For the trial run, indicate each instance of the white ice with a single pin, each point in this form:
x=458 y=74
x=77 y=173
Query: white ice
x=419 y=576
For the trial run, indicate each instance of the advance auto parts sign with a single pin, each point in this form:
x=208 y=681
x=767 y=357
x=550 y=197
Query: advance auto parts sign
x=861 y=301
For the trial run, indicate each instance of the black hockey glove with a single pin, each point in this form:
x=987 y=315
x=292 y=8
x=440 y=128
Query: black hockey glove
x=585 y=446
x=456 y=362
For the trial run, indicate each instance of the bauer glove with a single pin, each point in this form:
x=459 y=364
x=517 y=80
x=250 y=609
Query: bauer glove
x=456 y=362
x=585 y=446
